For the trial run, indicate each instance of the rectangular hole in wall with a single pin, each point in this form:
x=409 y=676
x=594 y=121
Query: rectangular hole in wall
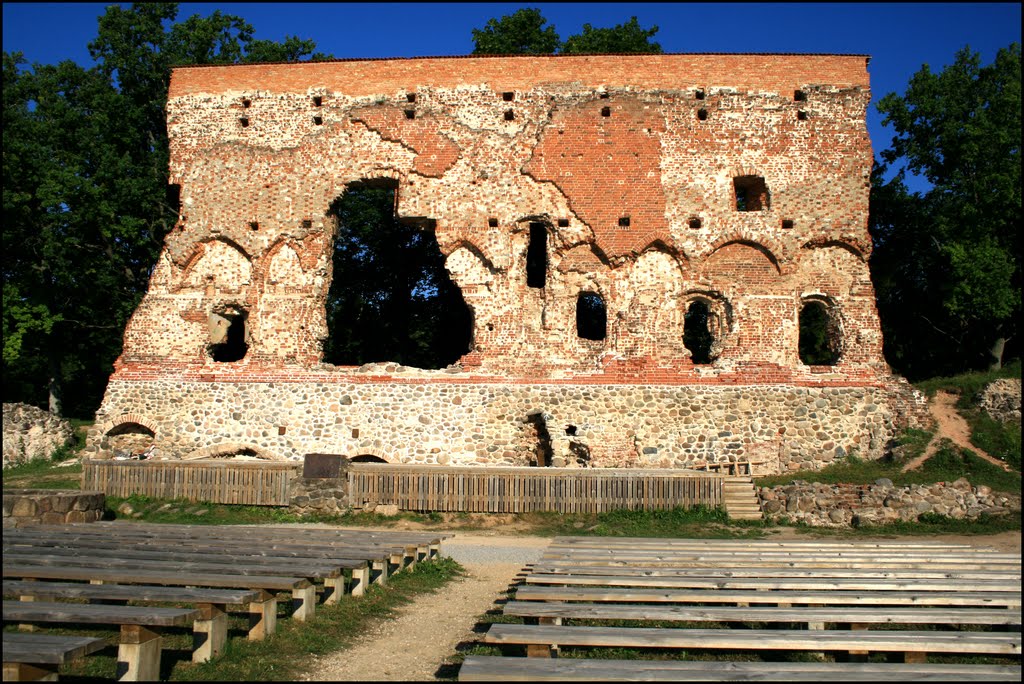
x=702 y=114
x=799 y=96
x=246 y=102
x=410 y=113
x=318 y=120
x=563 y=223
x=254 y=225
x=606 y=111
x=410 y=97
x=508 y=97
x=624 y=222
x=699 y=94
x=801 y=115
x=307 y=224
x=318 y=101
x=537 y=256
x=695 y=223
x=787 y=224
x=244 y=121
x=492 y=222
x=509 y=115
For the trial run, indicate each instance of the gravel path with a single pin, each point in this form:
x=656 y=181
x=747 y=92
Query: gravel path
x=414 y=645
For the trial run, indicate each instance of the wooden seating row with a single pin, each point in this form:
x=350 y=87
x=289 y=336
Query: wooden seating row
x=784 y=599
x=208 y=567
x=498 y=669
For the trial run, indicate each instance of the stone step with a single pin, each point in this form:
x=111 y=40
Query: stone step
x=740 y=498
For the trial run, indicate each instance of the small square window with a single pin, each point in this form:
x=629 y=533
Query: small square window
x=244 y=120
x=787 y=224
x=799 y=96
x=801 y=115
x=508 y=97
x=318 y=101
x=254 y=225
x=695 y=223
x=318 y=120
x=563 y=223
x=307 y=224
x=624 y=222
x=699 y=94
x=410 y=113
x=246 y=102
x=492 y=222
x=509 y=115
x=702 y=114
x=606 y=111
x=410 y=97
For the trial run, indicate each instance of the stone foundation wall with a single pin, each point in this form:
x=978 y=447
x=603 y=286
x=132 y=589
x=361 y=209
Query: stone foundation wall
x=778 y=428
x=31 y=432
x=849 y=505
x=34 y=506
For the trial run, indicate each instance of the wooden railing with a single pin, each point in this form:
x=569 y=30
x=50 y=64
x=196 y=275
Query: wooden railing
x=232 y=482
x=521 y=490
x=414 y=488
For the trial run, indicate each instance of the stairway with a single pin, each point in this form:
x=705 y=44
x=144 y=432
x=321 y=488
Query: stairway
x=740 y=499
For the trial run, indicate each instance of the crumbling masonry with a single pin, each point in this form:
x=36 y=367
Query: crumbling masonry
x=650 y=186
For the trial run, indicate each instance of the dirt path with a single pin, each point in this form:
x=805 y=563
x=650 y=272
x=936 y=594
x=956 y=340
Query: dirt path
x=416 y=645
x=952 y=426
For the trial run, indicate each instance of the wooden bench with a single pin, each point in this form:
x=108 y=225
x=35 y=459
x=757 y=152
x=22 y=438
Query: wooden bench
x=138 y=655
x=543 y=640
x=263 y=614
x=724 y=569
x=329 y=571
x=553 y=613
x=498 y=669
x=800 y=582
x=211 y=628
x=36 y=657
x=793 y=597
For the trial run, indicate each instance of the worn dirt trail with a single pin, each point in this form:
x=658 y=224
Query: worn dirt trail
x=416 y=645
x=952 y=426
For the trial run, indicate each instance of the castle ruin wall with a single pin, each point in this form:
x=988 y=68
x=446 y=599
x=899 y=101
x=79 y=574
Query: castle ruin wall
x=737 y=181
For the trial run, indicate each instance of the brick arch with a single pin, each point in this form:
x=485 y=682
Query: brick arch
x=471 y=247
x=218 y=450
x=133 y=418
x=203 y=249
x=663 y=243
x=855 y=247
x=764 y=246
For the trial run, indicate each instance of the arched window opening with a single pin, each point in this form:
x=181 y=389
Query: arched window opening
x=228 y=339
x=537 y=256
x=591 y=316
x=819 y=335
x=129 y=439
x=751 y=193
x=697 y=336
x=391 y=298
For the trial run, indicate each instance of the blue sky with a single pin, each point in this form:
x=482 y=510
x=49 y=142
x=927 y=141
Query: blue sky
x=899 y=37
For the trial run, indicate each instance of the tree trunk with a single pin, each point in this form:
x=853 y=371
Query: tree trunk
x=54 y=385
x=996 y=354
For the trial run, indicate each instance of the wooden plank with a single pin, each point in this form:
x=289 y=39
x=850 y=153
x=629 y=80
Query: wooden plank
x=1008 y=599
x=993 y=643
x=874 y=615
x=90 y=613
x=822 y=584
x=494 y=668
x=773 y=571
x=50 y=649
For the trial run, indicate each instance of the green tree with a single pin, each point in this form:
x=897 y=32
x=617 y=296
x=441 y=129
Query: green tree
x=628 y=37
x=522 y=33
x=527 y=32
x=948 y=260
x=86 y=197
